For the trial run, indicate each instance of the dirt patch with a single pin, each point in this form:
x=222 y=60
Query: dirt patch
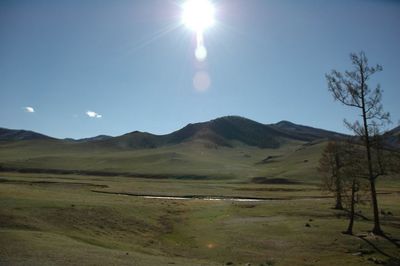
x=15 y=222
x=169 y=219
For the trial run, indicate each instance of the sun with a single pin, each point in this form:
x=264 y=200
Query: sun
x=198 y=15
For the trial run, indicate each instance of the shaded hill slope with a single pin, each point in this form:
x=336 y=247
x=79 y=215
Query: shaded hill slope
x=305 y=133
x=15 y=135
x=393 y=137
x=226 y=131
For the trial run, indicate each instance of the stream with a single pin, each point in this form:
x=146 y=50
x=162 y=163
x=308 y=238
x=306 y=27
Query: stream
x=211 y=198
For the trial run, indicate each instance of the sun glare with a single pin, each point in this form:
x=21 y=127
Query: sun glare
x=201 y=53
x=198 y=15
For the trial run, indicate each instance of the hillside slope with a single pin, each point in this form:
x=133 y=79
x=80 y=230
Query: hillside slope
x=15 y=134
x=393 y=137
x=227 y=132
x=306 y=133
x=227 y=147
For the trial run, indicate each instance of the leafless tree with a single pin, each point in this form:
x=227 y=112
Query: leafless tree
x=351 y=88
x=331 y=164
x=385 y=161
x=353 y=176
x=343 y=166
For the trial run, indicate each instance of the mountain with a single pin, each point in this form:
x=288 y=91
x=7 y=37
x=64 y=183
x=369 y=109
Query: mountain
x=13 y=135
x=226 y=131
x=223 y=147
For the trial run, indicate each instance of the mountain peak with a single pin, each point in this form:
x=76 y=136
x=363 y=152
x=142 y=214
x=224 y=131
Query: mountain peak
x=231 y=117
x=235 y=119
x=285 y=123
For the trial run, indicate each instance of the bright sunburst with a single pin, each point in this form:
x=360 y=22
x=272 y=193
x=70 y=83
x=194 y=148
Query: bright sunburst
x=198 y=15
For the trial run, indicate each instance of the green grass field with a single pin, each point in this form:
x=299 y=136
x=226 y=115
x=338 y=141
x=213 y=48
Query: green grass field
x=50 y=219
x=195 y=158
x=59 y=220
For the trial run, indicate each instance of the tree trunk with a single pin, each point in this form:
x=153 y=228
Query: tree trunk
x=338 y=186
x=349 y=230
x=377 y=227
x=339 y=205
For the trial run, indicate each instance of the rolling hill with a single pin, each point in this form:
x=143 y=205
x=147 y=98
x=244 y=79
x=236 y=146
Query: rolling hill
x=15 y=135
x=225 y=131
x=226 y=147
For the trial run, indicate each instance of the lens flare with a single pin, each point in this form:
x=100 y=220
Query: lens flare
x=201 y=53
x=201 y=81
x=198 y=15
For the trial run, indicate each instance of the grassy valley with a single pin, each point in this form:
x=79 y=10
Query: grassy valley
x=228 y=147
x=240 y=201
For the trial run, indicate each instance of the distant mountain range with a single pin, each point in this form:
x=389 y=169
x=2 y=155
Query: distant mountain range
x=225 y=131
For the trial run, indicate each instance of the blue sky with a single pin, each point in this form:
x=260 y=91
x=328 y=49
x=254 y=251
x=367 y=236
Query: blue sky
x=132 y=63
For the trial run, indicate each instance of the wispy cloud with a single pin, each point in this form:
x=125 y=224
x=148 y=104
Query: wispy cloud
x=92 y=114
x=29 y=109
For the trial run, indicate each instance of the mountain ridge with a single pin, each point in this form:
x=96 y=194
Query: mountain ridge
x=223 y=131
x=95 y=138
x=20 y=134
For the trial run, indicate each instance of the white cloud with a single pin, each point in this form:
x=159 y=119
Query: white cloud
x=29 y=109
x=92 y=114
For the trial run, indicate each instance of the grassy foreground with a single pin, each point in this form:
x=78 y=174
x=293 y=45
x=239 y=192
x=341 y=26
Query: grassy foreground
x=59 y=220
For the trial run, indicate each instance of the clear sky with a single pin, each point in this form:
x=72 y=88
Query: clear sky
x=131 y=63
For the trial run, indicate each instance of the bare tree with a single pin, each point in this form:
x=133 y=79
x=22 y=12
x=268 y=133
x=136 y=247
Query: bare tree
x=354 y=185
x=343 y=166
x=351 y=89
x=331 y=164
x=353 y=174
x=385 y=161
